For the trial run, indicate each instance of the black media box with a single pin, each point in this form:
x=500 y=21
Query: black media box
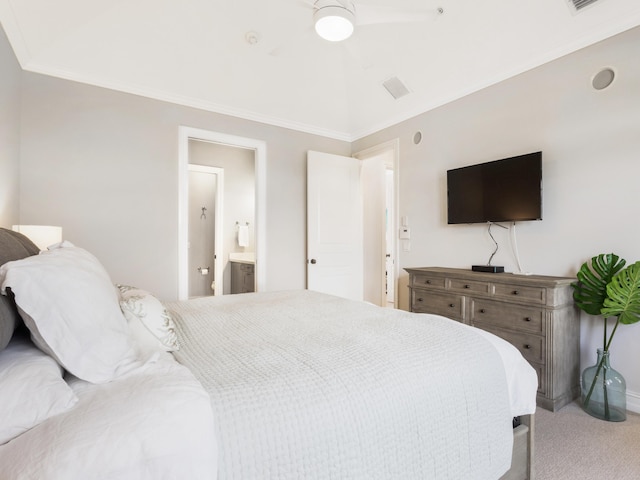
x=487 y=268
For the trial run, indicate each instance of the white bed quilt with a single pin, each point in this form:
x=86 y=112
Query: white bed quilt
x=305 y=385
x=154 y=423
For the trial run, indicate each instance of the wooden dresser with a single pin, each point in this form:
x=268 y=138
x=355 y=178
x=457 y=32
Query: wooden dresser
x=534 y=313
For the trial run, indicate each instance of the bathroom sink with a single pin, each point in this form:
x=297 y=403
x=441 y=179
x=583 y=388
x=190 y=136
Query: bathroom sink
x=243 y=257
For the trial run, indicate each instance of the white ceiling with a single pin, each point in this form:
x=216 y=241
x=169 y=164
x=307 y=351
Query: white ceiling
x=194 y=52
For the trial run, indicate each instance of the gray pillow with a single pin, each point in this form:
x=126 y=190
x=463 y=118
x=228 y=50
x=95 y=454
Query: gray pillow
x=13 y=246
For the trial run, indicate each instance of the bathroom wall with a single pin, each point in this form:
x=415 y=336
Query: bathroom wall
x=202 y=195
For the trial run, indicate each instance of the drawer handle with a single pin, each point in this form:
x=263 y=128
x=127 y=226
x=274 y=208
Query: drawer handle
x=516 y=292
x=527 y=319
x=527 y=347
x=428 y=282
x=452 y=305
x=467 y=286
x=482 y=310
x=419 y=299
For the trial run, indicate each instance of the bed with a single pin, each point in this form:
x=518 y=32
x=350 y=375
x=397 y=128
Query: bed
x=269 y=385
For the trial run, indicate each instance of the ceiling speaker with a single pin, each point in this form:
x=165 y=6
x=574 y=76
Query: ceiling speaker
x=395 y=87
x=603 y=79
x=580 y=4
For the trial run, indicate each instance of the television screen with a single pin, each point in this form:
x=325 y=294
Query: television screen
x=505 y=190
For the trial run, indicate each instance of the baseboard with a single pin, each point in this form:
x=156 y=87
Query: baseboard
x=633 y=402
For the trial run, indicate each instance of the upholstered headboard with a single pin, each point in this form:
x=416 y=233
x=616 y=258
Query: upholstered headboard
x=13 y=246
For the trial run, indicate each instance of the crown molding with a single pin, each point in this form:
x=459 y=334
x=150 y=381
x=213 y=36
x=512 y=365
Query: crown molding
x=186 y=101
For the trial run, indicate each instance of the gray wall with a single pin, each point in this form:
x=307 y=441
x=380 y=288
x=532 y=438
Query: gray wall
x=104 y=166
x=202 y=193
x=591 y=164
x=9 y=133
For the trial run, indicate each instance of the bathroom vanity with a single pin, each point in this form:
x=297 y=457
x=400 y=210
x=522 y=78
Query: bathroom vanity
x=242 y=272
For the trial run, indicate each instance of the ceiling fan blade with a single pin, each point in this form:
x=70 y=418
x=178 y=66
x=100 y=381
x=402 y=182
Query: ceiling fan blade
x=375 y=14
x=305 y=3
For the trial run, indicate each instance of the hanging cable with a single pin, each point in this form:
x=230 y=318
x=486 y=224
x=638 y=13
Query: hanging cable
x=494 y=240
x=514 y=247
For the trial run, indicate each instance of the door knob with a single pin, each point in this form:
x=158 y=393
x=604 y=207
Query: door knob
x=312 y=261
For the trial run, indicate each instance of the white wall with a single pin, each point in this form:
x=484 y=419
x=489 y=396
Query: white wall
x=591 y=166
x=9 y=133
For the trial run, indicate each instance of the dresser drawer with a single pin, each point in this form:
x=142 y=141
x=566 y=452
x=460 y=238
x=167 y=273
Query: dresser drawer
x=467 y=287
x=508 y=316
x=426 y=280
x=519 y=293
x=451 y=306
x=530 y=346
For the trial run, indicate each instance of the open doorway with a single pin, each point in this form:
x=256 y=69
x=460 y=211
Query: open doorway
x=380 y=202
x=234 y=223
x=390 y=236
x=187 y=137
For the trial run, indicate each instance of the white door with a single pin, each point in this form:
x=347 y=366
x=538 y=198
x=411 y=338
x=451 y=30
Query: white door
x=334 y=225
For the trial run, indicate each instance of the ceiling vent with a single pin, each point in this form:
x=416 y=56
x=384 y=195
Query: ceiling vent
x=580 y=4
x=395 y=87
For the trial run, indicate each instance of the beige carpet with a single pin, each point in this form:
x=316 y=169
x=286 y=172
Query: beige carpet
x=570 y=444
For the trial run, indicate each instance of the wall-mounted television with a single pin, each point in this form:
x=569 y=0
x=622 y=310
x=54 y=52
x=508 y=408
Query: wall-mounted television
x=506 y=190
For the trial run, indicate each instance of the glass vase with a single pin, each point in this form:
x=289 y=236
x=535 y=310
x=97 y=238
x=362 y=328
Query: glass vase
x=604 y=390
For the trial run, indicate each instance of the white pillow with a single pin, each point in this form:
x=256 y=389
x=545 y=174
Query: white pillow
x=150 y=323
x=31 y=389
x=69 y=304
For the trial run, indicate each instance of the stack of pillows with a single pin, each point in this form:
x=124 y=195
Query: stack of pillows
x=77 y=321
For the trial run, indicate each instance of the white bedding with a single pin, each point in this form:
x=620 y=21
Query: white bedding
x=305 y=385
x=522 y=379
x=154 y=423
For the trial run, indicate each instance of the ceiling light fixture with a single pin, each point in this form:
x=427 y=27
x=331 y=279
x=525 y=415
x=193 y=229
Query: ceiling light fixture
x=334 y=21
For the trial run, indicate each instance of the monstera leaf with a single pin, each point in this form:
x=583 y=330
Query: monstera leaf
x=623 y=295
x=590 y=291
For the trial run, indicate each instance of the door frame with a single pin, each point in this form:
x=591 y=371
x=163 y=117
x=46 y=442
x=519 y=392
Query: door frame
x=393 y=147
x=218 y=221
x=260 y=151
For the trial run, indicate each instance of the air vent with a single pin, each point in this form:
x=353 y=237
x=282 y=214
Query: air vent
x=580 y=4
x=395 y=87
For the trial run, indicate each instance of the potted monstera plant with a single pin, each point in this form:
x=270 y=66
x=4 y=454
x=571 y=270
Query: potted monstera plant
x=607 y=289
